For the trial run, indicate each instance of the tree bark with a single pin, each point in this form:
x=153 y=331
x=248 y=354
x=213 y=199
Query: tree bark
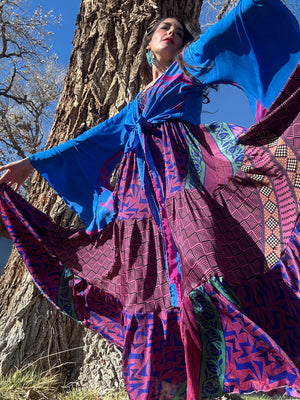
x=103 y=76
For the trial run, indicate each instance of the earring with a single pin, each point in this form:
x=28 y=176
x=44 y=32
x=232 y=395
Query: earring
x=150 y=57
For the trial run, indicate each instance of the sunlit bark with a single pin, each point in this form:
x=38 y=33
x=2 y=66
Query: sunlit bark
x=103 y=76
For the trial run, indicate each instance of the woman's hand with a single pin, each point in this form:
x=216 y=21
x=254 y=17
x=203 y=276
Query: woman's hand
x=16 y=172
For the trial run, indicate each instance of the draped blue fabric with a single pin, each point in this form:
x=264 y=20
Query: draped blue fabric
x=255 y=46
x=242 y=48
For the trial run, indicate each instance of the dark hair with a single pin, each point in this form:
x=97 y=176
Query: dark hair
x=146 y=70
x=187 y=36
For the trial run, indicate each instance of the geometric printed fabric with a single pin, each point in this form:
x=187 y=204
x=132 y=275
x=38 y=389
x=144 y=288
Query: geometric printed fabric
x=233 y=217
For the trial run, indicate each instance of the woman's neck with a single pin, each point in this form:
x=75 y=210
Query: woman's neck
x=157 y=70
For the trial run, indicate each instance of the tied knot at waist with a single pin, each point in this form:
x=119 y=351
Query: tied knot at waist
x=135 y=135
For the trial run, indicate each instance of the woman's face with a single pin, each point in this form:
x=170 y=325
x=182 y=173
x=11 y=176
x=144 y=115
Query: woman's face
x=167 y=41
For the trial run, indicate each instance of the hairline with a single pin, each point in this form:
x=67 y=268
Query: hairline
x=176 y=19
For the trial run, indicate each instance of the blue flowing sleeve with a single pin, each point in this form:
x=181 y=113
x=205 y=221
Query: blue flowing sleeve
x=79 y=169
x=255 y=46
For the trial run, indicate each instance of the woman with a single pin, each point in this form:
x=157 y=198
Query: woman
x=190 y=264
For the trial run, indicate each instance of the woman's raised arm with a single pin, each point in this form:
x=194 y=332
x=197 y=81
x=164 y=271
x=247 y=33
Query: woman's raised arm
x=255 y=46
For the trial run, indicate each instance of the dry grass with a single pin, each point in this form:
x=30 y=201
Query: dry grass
x=25 y=384
x=83 y=395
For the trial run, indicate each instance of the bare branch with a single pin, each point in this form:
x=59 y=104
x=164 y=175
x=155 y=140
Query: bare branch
x=214 y=10
x=224 y=9
x=31 y=79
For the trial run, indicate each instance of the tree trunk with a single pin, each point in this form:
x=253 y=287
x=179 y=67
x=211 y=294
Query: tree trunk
x=103 y=76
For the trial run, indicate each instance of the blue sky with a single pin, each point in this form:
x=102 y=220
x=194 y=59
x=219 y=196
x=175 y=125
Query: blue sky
x=68 y=9
x=228 y=104
x=62 y=45
x=5 y=249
